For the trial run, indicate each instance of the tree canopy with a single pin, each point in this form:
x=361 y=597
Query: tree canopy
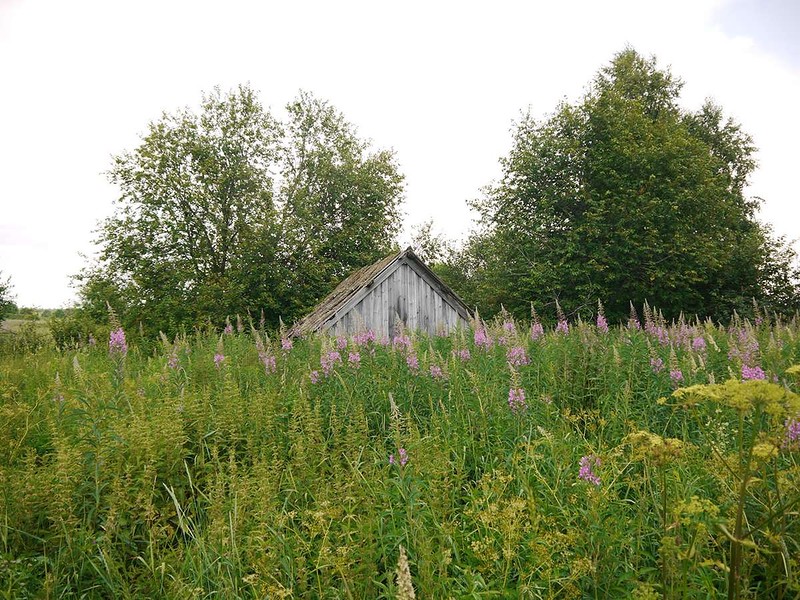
x=7 y=305
x=230 y=210
x=626 y=197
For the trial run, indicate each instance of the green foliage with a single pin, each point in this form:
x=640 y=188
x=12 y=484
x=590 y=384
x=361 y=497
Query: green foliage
x=168 y=474
x=625 y=196
x=7 y=305
x=71 y=329
x=229 y=210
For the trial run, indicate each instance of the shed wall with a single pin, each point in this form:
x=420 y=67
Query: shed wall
x=404 y=295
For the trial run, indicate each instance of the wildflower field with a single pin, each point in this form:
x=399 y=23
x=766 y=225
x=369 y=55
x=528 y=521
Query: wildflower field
x=506 y=460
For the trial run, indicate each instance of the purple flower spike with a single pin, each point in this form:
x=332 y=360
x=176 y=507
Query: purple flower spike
x=463 y=354
x=753 y=373
x=117 y=343
x=482 y=340
x=436 y=372
x=517 y=356
x=327 y=361
x=401 y=458
x=587 y=466
x=791 y=439
x=516 y=399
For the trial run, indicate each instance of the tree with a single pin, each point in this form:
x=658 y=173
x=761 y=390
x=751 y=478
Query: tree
x=230 y=210
x=624 y=196
x=340 y=203
x=7 y=305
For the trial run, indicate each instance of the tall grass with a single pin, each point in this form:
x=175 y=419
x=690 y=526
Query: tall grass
x=168 y=471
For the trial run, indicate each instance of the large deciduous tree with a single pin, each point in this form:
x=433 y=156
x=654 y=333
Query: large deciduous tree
x=625 y=196
x=230 y=210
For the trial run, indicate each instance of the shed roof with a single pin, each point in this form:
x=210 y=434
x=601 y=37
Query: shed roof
x=358 y=284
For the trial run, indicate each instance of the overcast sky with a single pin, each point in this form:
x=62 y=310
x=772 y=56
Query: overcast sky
x=438 y=82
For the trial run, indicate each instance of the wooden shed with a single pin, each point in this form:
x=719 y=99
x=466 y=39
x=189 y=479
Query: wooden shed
x=398 y=287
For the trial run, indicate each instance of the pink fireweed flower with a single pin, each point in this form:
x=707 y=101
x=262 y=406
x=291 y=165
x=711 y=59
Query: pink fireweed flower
x=364 y=337
x=537 y=331
x=270 y=365
x=681 y=334
x=587 y=465
x=329 y=360
x=753 y=372
x=517 y=356
x=516 y=399
x=657 y=364
x=401 y=340
x=463 y=354
x=699 y=343
x=172 y=361
x=676 y=375
x=287 y=344
x=413 y=362
x=228 y=329
x=481 y=338
x=218 y=358
x=402 y=458
x=314 y=376
x=354 y=358
x=562 y=327
x=791 y=439
x=744 y=348
x=341 y=342
x=436 y=372
x=117 y=343
x=509 y=327
x=602 y=324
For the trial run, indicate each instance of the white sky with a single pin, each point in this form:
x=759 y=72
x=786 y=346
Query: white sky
x=439 y=82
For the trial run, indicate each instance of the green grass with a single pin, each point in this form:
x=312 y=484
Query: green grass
x=121 y=476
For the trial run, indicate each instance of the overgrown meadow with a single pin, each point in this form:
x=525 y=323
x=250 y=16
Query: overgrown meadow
x=506 y=460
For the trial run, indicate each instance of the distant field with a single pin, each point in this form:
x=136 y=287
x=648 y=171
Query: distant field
x=508 y=461
x=11 y=324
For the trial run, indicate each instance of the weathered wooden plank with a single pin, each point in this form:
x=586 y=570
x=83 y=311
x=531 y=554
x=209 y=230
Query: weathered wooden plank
x=414 y=290
x=380 y=311
x=422 y=310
